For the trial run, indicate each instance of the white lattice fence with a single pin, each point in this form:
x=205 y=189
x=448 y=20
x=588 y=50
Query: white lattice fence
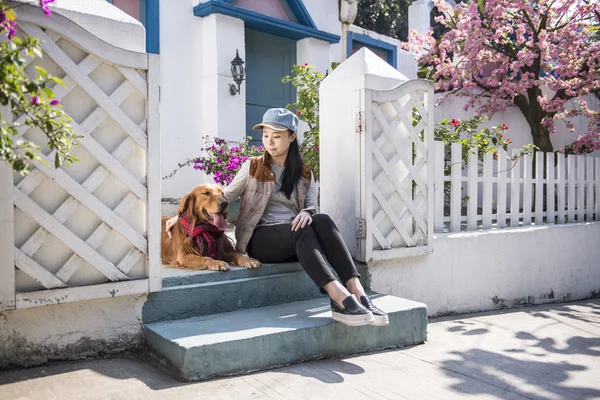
x=83 y=232
x=396 y=202
x=518 y=191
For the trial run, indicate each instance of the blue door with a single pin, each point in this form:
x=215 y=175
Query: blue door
x=268 y=59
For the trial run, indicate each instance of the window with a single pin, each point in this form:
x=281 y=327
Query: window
x=385 y=50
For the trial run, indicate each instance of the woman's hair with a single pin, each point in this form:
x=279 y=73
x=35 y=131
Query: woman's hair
x=293 y=168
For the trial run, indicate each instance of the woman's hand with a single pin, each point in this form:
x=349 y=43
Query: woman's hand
x=169 y=224
x=302 y=219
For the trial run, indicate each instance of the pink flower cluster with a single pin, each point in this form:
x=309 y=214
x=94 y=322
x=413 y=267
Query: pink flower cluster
x=514 y=50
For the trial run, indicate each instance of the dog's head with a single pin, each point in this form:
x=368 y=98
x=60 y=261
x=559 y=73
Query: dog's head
x=205 y=204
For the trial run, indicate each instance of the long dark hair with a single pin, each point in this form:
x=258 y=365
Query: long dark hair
x=293 y=168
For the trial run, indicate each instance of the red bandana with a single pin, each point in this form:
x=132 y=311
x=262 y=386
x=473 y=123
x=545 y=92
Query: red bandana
x=205 y=235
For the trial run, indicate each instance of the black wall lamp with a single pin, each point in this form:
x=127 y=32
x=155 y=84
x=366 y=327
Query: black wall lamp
x=238 y=73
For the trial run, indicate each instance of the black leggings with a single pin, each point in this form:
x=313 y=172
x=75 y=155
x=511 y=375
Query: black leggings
x=314 y=245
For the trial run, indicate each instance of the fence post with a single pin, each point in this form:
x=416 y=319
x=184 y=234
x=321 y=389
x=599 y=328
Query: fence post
x=550 y=188
x=527 y=189
x=501 y=189
x=515 y=187
x=561 y=174
x=571 y=179
x=7 y=234
x=488 y=173
x=539 y=188
x=472 y=189
x=439 y=181
x=580 y=188
x=455 y=187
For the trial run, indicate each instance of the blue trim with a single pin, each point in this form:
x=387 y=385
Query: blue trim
x=265 y=23
x=301 y=13
x=390 y=49
x=297 y=7
x=152 y=24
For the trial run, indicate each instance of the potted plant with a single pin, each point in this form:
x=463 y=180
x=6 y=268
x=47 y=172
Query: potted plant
x=222 y=159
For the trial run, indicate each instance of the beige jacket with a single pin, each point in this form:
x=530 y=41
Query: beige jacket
x=255 y=183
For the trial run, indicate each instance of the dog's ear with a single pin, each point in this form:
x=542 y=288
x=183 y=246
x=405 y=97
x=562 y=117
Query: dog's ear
x=187 y=207
x=184 y=204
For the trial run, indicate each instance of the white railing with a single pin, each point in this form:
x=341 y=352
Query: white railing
x=91 y=230
x=514 y=191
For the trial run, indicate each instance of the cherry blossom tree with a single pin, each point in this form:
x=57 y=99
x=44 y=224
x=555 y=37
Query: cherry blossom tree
x=542 y=56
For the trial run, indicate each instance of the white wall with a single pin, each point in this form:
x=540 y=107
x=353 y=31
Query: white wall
x=68 y=331
x=498 y=268
x=181 y=91
x=325 y=15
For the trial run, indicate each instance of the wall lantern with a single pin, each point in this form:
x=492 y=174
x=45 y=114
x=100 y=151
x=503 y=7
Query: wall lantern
x=237 y=71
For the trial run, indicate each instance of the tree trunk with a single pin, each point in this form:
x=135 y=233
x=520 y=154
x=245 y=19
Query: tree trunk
x=541 y=138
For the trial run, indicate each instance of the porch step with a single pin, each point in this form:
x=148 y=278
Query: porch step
x=260 y=338
x=187 y=294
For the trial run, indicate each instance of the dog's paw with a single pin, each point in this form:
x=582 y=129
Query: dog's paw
x=250 y=263
x=218 y=266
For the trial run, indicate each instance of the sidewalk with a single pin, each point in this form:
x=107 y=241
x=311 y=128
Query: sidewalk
x=543 y=352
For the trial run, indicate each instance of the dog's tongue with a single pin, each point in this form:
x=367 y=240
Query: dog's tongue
x=219 y=221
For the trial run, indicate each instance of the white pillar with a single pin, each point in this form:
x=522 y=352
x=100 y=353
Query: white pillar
x=342 y=96
x=418 y=16
x=223 y=115
x=314 y=52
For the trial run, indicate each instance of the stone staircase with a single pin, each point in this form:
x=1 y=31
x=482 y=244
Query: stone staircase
x=208 y=324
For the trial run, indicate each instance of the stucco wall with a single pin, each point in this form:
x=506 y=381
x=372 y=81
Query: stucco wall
x=69 y=331
x=499 y=268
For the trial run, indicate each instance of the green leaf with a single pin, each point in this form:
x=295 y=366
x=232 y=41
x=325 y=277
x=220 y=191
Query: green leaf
x=58 y=81
x=481 y=4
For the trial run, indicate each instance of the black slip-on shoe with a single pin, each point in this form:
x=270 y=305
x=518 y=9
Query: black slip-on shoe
x=353 y=314
x=380 y=318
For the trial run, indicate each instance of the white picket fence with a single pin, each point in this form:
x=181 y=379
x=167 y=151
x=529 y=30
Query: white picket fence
x=511 y=192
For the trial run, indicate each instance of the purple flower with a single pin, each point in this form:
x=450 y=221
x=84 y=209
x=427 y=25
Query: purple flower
x=55 y=102
x=44 y=5
x=35 y=100
x=8 y=25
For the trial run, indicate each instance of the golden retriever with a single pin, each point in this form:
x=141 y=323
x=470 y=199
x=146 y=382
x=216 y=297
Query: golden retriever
x=203 y=213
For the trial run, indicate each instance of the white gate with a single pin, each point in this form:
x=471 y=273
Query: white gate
x=396 y=188
x=84 y=232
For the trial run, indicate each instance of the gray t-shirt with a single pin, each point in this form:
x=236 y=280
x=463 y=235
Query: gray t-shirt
x=280 y=209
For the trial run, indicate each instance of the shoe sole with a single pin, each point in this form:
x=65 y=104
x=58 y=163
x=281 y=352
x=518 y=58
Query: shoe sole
x=380 y=320
x=353 y=320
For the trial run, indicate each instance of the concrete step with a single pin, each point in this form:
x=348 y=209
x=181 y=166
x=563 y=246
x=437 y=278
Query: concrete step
x=260 y=338
x=195 y=293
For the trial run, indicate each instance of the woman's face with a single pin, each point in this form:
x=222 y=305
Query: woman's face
x=277 y=143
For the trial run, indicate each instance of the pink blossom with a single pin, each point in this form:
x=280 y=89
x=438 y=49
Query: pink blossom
x=503 y=53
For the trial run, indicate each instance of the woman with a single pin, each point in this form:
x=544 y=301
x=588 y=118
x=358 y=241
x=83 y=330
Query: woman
x=279 y=219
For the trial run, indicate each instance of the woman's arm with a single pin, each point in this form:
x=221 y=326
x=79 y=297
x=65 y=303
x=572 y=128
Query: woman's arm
x=311 y=203
x=238 y=185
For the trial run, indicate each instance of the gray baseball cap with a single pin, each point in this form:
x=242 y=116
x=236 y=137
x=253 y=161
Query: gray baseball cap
x=279 y=119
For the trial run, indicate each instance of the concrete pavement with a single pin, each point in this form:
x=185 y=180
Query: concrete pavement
x=542 y=352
